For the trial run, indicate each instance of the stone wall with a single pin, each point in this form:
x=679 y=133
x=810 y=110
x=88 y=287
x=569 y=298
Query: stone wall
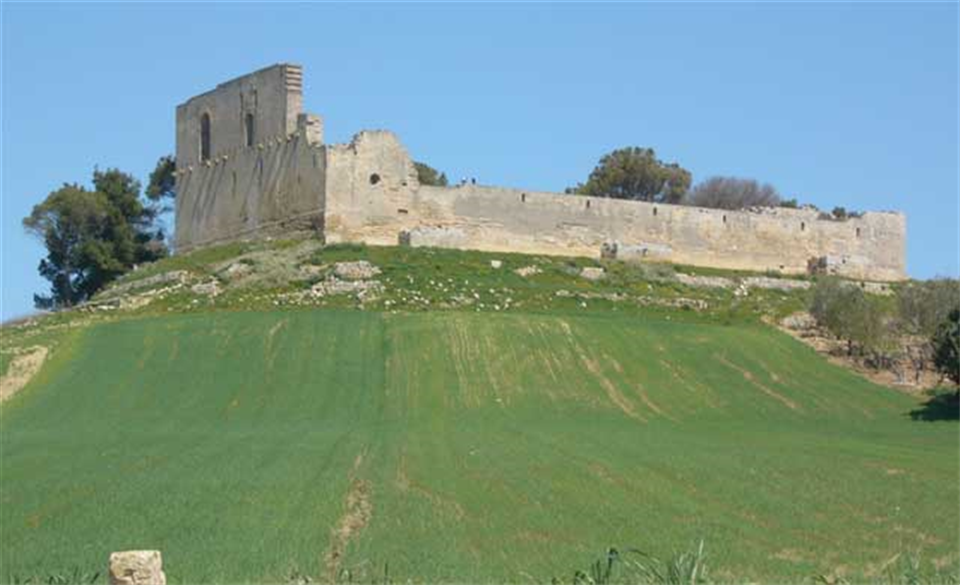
x=394 y=208
x=367 y=191
x=271 y=189
x=489 y=218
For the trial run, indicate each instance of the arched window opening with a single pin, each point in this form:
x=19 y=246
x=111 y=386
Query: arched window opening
x=205 y=137
x=248 y=128
x=654 y=211
x=588 y=204
x=858 y=232
x=523 y=198
x=803 y=226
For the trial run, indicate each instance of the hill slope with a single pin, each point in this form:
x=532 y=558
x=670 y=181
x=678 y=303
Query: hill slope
x=485 y=447
x=258 y=445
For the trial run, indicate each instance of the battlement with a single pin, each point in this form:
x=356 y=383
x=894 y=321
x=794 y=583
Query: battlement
x=251 y=163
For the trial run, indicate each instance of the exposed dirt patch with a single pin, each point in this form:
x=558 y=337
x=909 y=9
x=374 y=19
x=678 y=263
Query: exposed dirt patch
x=604 y=473
x=874 y=569
x=358 y=509
x=941 y=562
x=22 y=369
x=791 y=555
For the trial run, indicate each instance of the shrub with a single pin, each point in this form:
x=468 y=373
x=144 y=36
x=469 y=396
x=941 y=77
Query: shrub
x=733 y=193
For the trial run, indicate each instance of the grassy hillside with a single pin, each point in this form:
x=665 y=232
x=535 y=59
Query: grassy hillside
x=254 y=446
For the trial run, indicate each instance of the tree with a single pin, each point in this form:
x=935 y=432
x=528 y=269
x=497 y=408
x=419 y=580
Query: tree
x=830 y=298
x=92 y=237
x=163 y=182
x=637 y=174
x=733 y=193
x=922 y=307
x=863 y=322
x=946 y=343
x=68 y=221
x=428 y=175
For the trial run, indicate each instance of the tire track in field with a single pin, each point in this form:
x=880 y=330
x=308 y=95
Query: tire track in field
x=270 y=348
x=358 y=509
x=640 y=390
x=748 y=376
x=613 y=393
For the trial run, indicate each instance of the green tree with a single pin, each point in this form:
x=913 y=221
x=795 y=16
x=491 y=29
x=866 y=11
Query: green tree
x=637 y=174
x=946 y=343
x=428 y=175
x=790 y=203
x=162 y=184
x=922 y=307
x=867 y=323
x=92 y=237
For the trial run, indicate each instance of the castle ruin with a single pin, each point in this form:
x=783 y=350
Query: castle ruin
x=250 y=164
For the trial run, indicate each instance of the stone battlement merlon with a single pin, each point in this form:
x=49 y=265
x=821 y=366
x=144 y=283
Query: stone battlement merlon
x=250 y=163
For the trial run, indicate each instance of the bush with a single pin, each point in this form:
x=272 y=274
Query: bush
x=733 y=193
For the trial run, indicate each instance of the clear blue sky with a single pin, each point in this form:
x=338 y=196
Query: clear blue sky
x=836 y=104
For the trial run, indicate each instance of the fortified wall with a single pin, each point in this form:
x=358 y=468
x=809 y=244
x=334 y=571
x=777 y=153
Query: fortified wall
x=251 y=163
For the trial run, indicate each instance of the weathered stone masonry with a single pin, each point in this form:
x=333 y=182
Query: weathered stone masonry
x=250 y=164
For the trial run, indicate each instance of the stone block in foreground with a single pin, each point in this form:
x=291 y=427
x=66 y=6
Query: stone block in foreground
x=137 y=567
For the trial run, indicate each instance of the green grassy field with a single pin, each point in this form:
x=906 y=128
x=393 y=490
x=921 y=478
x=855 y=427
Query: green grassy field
x=456 y=446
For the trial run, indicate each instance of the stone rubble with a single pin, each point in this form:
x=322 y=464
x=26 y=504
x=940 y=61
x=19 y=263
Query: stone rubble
x=359 y=270
x=710 y=281
x=172 y=277
x=363 y=289
x=776 y=283
x=592 y=273
x=527 y=271
x=237 y=270
x=210 y=288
